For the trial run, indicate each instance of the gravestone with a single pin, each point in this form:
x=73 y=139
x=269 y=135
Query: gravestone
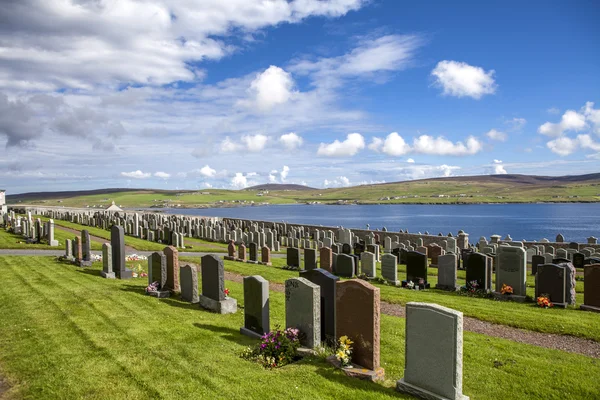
x=578 y=260
x=265 y=255
x=327 y=283
x=188 y=283
x=117 y=241
x=241 y=252
x=416 y=268
x=358 y=317
x=574 y=246
x=560 y=238
x=230 y=251
x=479 y=268
x=253 y=252
x=172 y=255
x=107 y=271
x=213 y=287
x=556 y=282
x=434 y=352
x=77 y=249
x=434 y=251
x=345 y=266
x=389 y=269
x=303 y=310
x=591 y=288
x=69 y=250
x=367 y=264
x=310 y=258
x=447 y=272
x=50 y=234
x=293 y=257
x=326 y=259
x=512 y=270
x=346 y=248
x=157 y=272
x=256 y=306
x=86 y=249
x=536 y=261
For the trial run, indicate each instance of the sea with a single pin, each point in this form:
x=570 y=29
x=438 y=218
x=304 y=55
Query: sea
x=575 y=221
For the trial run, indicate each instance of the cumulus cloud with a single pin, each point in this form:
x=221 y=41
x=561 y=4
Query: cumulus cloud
x=415 y=171
x=349 y=147
x=229 y=146
x=496 y=135
x=284 y=173
x=255 y=143
x=270 y=88
x=207 y=171
x=376 y=144
x=460 y=79
x=497 y=168
x=516 y=124
x=570 y=121
x=340 y=181
x=162 y=175
x=239 y=181
x=426 y=144
x=394 y=145
x=136 y=174
x=410 y=160
x=291 y=140
x=563 y=146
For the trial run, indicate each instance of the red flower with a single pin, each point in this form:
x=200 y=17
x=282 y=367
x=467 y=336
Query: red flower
x=226 y=292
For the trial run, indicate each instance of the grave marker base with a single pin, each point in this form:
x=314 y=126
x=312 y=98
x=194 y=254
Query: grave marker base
x=227 y=306
x=247 y=332
x=589 y=308
x=357 y=371
x=416 y=391
x=264 y=263
x=229 y=258
x=513 y=297
x=161 y=294
x=107 y=275
x=85 y=263
x=53 y=243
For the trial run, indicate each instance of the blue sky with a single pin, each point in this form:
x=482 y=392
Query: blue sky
x=228 y=94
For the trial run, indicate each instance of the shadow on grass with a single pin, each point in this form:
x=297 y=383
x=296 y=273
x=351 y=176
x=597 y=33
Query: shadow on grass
x=174 y=301
x=88 y=271
x=134 y=289
x=230 y=334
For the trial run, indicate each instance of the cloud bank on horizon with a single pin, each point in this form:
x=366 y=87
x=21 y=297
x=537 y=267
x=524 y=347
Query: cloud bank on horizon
x=328 y=93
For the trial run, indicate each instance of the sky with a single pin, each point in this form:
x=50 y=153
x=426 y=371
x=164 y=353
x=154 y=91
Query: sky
x=200 y=94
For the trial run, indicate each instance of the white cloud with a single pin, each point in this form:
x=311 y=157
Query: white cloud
x=284 y=172
x=255 y=143
x=340 y=181
x=229 y=146
x=496 y=135
x=553 y=110
x=206 y=185
x=371 y=55
x=272 y=178
x=77 y=44
x=497 y=168
x=592 y=116
x=349 y=147
x=376 y=144
x=162 y=175
x=570 y=121
x=516 y=124
x=564 y=146
x=239 y=181
x=291 y=140
x=394 y=145
x=410 y=160
x=272 y=87
x=426 y=144
x=415 y=171
x=461 y=79
x=207 y=171
x=136 y=174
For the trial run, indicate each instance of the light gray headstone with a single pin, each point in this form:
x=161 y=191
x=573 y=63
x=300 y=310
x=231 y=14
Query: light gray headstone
x=447 y=272
x=367 y=264
x=303 y=309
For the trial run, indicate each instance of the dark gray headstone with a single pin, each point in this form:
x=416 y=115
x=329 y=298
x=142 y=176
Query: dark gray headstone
x=479 y=268
x=536 y=261
x=213 y=277
x=188 y=283
x=157 y=269
x=117 y=241
x=551 y=280
x=346 y=248
x=253 y=251
x=86 y=246
x=578 y=260
x=574 y=245
x=416 y=266
x=256 y=306
x=326 y=282
x=310 y=258
x=293 y=257
x=345 y=266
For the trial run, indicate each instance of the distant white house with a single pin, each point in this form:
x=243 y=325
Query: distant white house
x=113 y=207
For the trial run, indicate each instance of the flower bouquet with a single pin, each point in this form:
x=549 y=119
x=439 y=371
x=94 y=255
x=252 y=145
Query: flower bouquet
x=544 y=301
x=506 y=289
x=344 y=352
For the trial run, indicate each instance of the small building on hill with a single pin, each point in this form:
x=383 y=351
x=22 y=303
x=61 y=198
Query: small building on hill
x=113 y=207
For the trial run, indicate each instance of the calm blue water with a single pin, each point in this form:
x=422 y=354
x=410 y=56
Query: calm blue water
x=522 y=221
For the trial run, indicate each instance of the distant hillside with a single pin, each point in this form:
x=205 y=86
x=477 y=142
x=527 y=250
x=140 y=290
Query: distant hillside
x=519 y=179
x=280 y=186
x=77 y=193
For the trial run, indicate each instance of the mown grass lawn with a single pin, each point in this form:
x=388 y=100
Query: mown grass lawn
x=68 y=333
x=9 y=240
x=570 y=321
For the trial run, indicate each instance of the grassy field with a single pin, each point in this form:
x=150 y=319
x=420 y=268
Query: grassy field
x=68 y=333
x=10 y=240
x=517 y=189
x=570 y=321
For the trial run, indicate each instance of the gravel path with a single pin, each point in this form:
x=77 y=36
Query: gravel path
x=566 y=343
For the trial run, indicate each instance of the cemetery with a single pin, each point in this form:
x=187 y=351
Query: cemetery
x=257 y=309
